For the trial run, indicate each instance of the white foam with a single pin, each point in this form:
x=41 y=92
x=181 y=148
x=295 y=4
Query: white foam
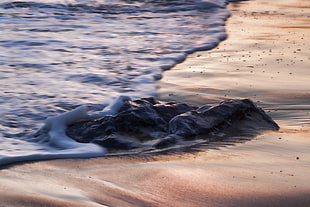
x=111 y=109
x=33 y=151
x=52 y=142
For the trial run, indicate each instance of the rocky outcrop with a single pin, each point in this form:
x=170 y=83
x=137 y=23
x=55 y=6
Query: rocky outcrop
x=211 y=119
x=140 y=121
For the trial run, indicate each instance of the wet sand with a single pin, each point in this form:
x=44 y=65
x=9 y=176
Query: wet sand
x=265 y=58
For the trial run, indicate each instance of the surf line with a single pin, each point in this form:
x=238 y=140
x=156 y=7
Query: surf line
x=51 y=141
x=55 y=127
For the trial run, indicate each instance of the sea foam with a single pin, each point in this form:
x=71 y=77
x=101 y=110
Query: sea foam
x=51 y=141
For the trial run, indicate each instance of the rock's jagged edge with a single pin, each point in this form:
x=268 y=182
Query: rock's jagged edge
x=167 y=123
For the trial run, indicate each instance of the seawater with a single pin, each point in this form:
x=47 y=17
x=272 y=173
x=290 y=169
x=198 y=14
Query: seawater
x=58 y=57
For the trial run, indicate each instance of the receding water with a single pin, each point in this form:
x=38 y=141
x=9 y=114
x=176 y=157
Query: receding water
x=56 y=55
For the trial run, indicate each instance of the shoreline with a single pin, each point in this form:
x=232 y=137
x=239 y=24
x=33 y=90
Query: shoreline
x=270 y=170
x=264 y=58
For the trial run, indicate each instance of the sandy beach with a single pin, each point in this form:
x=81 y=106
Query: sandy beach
x=265 y=58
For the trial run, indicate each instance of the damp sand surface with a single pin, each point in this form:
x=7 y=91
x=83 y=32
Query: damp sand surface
x=265 y=58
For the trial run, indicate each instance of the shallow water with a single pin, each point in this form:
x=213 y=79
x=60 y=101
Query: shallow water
x=56 y=55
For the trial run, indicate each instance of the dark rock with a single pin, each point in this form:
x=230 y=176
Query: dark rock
x=205 y=120
x=140 y=117
x=168 y=141
x=115 y=143
x=168 y=123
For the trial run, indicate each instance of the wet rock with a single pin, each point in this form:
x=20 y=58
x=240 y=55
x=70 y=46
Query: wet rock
x=114 y=142
x=206 y=120
x=168 y=141
x=168 y=123
x=143 y=118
